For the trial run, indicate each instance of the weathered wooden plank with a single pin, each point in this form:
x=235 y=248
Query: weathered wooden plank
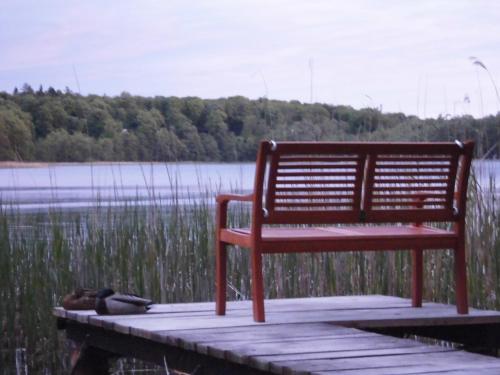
x=481 y=371
x=410 y=370
x=359 y=301
x=370 y=318
x=405 y=364
x=81 y=316
x=241 y=352
x=59 y=312
x=223 y=349
x=257 y=332
x=269 y=363
x=358 y=314
x=189 y=338
x=280 y=364
x=293 y=304
x=340 y=302
x=144 y=328
x=108 y=321
x=424 y=316
x=304 y=304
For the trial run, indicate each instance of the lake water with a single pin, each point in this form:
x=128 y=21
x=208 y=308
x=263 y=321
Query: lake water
x=82 y=185
x=73 y=186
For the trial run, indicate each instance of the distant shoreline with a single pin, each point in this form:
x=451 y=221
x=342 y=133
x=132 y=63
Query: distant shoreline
x=45 y=164
x=23 y=164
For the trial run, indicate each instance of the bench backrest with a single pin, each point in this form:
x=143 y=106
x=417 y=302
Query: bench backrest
x=316 y=183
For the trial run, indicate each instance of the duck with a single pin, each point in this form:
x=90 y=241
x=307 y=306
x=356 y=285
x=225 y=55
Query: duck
x=110 y=303
x=80 y=299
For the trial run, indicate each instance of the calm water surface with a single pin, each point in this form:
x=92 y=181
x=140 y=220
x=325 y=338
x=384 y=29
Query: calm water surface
x=82 y=185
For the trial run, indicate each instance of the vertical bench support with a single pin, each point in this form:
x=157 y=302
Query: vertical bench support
x=220 y=259
x=417 y=277
x=460 y=211
x=257 y=286
x=258 y=213
x=461 y=270
x=417 y=267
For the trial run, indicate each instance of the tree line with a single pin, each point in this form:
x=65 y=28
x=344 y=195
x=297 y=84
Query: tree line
x=52 y=125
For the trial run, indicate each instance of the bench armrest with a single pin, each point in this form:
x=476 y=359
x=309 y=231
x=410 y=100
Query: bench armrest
x=223 y=198
x=222 y=203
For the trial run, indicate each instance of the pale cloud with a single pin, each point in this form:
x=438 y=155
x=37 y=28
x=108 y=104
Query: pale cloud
x=408 y=56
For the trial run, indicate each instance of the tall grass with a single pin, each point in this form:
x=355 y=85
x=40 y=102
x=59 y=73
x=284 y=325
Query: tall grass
x=165 y=251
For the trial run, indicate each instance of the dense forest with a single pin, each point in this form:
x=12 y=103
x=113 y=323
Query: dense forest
x=51 y=125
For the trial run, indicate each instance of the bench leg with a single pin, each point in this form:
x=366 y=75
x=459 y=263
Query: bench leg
x=220 y=278
x=257 y=287
x=417 y=277
x=461 y=280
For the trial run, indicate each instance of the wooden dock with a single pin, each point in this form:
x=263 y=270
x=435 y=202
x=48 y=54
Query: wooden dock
x=329 y=335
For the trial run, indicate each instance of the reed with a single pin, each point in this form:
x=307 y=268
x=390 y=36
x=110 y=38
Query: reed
x=165 y=251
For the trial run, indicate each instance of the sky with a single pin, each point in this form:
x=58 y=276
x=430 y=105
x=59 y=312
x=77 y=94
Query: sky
x=394 y=55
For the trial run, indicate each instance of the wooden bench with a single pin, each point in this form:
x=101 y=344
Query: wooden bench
x=399 y=185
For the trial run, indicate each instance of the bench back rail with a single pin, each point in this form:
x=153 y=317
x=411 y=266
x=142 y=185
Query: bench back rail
x=322 y=183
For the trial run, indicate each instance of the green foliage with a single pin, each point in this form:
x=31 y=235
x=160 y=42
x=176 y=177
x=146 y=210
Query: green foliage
x=16 y=127
x=62 y=146
x=136 y=128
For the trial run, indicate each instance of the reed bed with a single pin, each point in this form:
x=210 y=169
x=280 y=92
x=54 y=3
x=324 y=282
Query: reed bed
x=165 y=252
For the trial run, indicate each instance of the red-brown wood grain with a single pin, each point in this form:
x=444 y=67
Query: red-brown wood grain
x=320 y=183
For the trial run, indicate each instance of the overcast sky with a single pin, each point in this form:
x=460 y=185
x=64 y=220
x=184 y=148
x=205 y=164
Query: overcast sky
x=409 y=56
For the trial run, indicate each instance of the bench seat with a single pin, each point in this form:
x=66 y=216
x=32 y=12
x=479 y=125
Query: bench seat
x=347 y=238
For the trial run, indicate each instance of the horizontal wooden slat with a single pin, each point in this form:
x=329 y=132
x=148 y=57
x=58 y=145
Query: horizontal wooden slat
x=316 y=166
x=411 y=166
x=346 y=188
x=312 y=196
x=313 y=204
x=316 y=174
x=409 y=200
x=296 y=159
x=413 y=158
x=416 y=196
x=406 y=204
x=409 y=188
x=410 y=181
x=406 y=173
x=314 y=182
x=383 y=148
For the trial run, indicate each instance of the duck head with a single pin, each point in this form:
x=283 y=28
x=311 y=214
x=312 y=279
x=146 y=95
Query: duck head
x=106 y=292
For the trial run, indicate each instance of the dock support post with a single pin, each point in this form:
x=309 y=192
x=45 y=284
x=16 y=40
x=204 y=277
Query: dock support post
x=88 y=360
